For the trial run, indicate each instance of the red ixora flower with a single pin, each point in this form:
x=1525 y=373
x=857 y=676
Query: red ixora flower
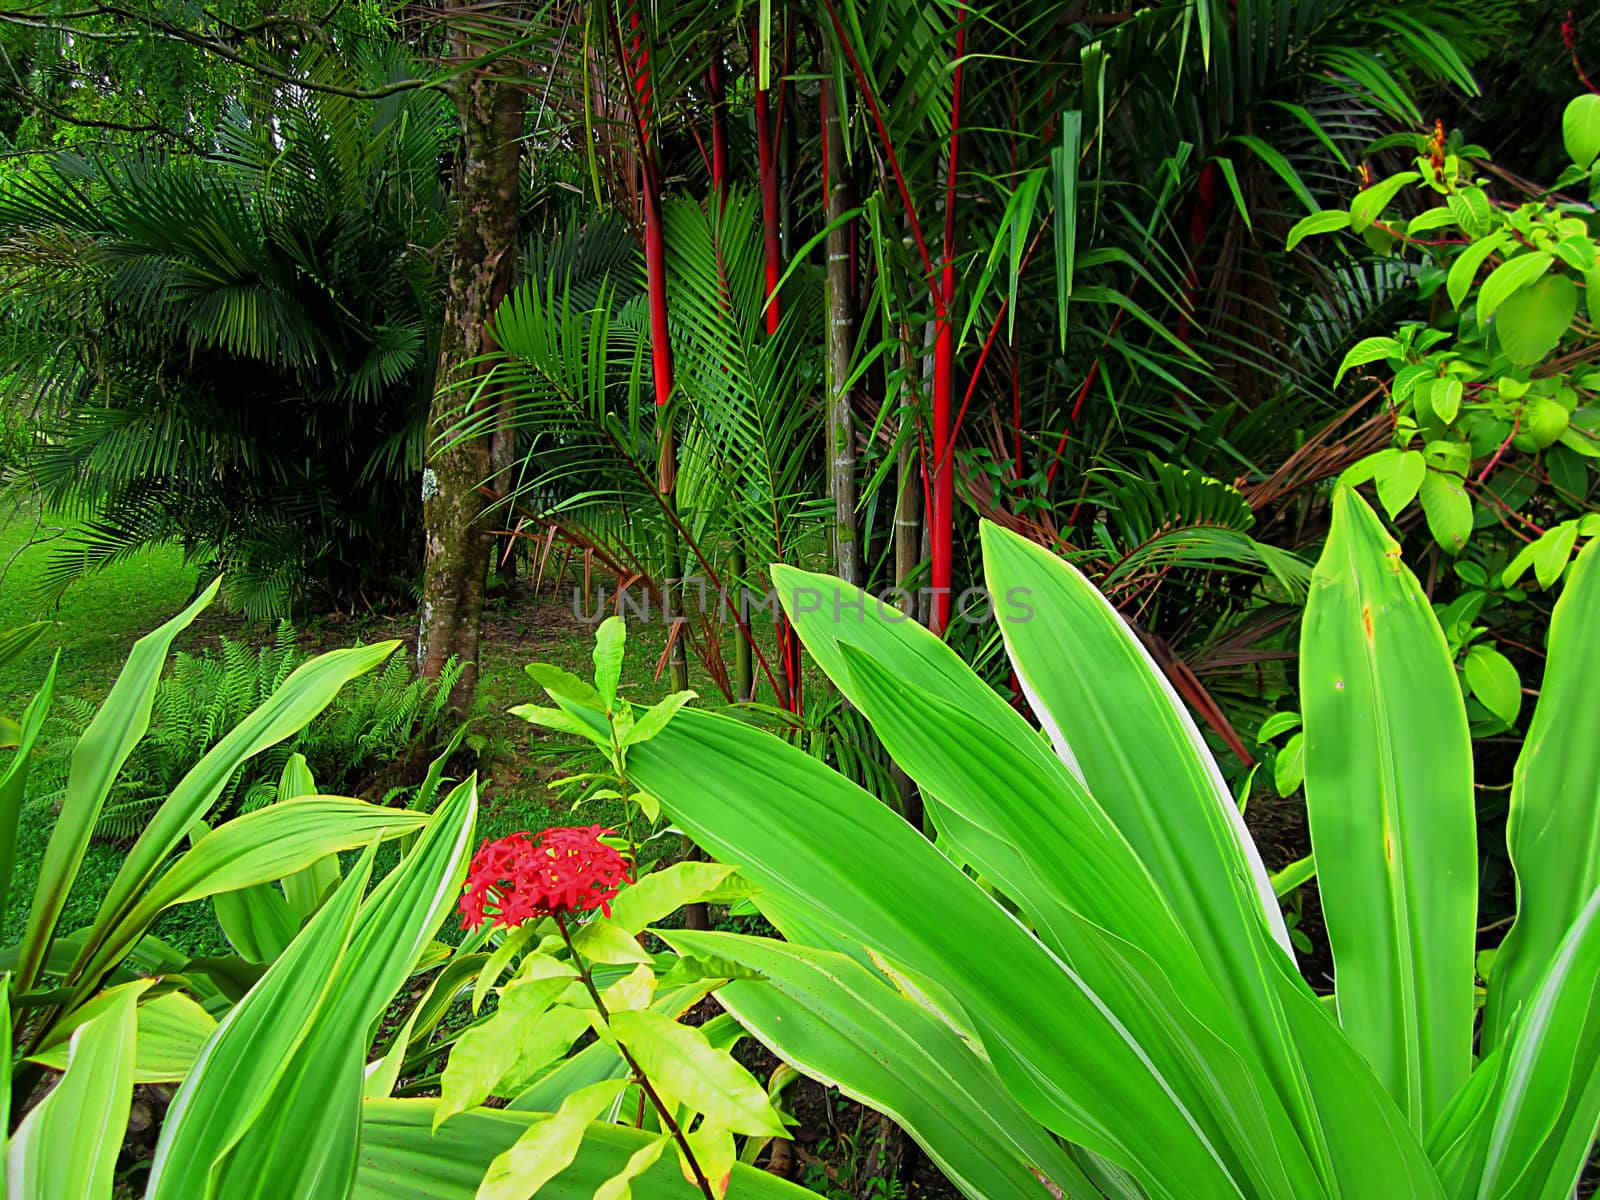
x=522 y=878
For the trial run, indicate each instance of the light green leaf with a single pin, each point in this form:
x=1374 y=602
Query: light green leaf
x=564 y=685
x=548 y=1147
x=402 y=1159
x=560 y=720
x=1493 y=680
x=503 y=1053
x=620 y=1185
x=609 y=643
x=1400 y=478
x=655 y=718
x=1465 y=268
x=1367 y=350
x=1532 y=322
x=1368 y=204
x=96 y=759
x=604 y=941
x=1551 y=833
x=67 y=1145
x=660 y=893
x=1327 y=221
x=1448 y=509
x=1389 y=794
x=681 y=1060
x=1510 y=276
x=1580 y=129
x=172 y=1028
x=1288 y=769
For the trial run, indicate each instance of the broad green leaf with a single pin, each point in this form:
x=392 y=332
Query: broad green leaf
x=549 y=1146
x=828 y=848
x=254 y=849
x=1289 y=768
x=232 y=1082
x=835 y=1021
x=305 y=890
x=309 y=690
x=304 y=1141
x=1580 y=129
x=1327 y=221
x=620 y=1185
x=172 y=1030
x=1389 y=795
x=1465 y=268
x=1525 y=1125
x=402 y=1159
x=604 y=941
x=67 y=1146
x=564 y=685
x=1367 y=350
x=1551 y=833
x=96 y=759
x=1493 y=680
x=517 y=941
x=1448 y=509
x=1401 y=477
x=1510 y=276
x=1445 y=399
x=14 y=778
x=655 y=718
x=507 y=1050
x=1531 y=322
x=678 y=1058
x=558 y=719
x=661 y=893
x=257 y=921
x=609 y=642
x=1368 y=204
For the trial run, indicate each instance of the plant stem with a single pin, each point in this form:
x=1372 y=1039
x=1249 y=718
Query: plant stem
x=645 y=1086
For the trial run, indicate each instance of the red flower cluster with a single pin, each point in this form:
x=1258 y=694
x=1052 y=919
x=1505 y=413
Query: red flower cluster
x=515 y=879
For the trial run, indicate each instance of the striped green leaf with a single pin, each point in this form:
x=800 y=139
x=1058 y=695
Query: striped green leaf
x=1551 y=832
x=1388 y=776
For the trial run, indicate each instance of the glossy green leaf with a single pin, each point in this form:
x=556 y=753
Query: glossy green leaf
x=825 y=846
x=1448 y=509
x=98 y=756
x=305 y=890
x=1327 y=221
x=172 y=1029
x=1493 y=681
x=609 y=642
x=1580 y=129
x=831 y=1018
x=547 y=1147
x=250 y=850
x=1466 y=265
x=67 y=1146
x=1401 y=477
x=1551 y=833
x=662 y=892
x=304 y=694
x=620 y=1185
x=1531 y=322
x=1510 y=276
x=304 y=1142
x=506 y=1051
x=232 y=1082
x=1389 y=794
x=1368 y=204
x=1524 y=1126
x=401 y=1159
x=1367 y=350
x=679 y=1059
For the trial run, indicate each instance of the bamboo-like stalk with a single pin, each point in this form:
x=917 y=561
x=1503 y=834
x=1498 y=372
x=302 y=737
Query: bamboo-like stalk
x=841 y=431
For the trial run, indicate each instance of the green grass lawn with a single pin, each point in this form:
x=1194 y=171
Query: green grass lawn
x=102 y=615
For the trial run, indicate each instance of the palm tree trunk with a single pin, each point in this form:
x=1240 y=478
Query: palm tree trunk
x=458 y=529
x=841 y=430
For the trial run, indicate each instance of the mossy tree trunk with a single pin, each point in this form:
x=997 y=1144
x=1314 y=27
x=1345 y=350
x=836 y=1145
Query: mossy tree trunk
x=458 y=517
